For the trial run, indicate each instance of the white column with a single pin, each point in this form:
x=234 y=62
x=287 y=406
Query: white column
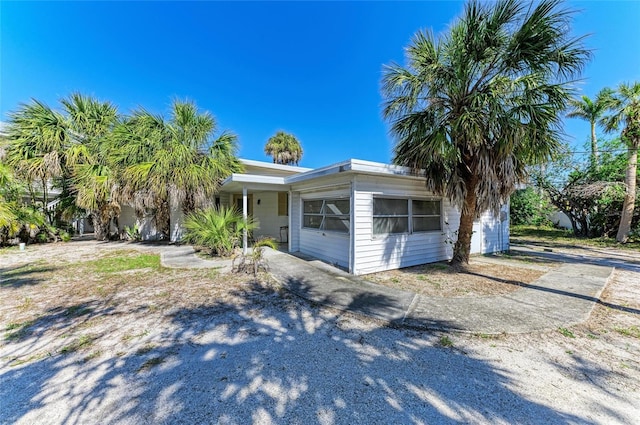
x=245 y=216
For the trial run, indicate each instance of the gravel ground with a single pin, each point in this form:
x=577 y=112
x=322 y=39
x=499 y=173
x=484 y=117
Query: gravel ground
x=247 y=352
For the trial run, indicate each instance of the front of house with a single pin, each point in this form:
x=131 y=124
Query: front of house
x=362 y=216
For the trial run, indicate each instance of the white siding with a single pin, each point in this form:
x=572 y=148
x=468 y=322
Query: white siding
x=376 y=253
x=295 y=208
x=267 y=215
x=495 y=231
x=146 y=224
x=332 y=247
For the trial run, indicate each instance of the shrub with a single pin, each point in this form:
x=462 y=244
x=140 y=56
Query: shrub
x=529 y=207
x=255 y=261
x=217 y=229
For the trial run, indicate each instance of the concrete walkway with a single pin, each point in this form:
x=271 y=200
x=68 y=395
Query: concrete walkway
x=560 y=298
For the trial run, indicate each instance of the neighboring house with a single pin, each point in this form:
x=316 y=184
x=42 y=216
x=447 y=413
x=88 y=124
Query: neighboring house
x=359 y=215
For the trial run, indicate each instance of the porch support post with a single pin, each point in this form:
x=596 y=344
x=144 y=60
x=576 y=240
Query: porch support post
x=289 y=222
x=244 y=216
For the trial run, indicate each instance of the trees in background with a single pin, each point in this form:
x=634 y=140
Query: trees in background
x=593 y=111
x=181 y=159
x=624 y=110
x=600 y=198
x=474 y=107
x=284 y=148
x=99 y=159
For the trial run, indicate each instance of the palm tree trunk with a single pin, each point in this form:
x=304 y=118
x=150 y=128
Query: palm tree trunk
x=594 y=146
x=462 y=247
x=100 y=225
x=630 y=195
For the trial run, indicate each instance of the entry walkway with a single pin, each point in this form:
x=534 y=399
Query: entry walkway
x=560 y=298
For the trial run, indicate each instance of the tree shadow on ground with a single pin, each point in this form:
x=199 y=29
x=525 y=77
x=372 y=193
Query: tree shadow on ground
x=23 y=275
x=270 y=359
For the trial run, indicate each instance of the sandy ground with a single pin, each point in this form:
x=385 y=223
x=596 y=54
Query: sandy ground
x=195 y=346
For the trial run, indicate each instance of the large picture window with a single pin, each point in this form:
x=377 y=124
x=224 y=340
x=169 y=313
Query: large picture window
x=326 y=214
x=397 y=215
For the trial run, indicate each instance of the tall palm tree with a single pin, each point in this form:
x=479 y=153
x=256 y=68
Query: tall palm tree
x=284 y=148
x=178 y=159
x=592 y=111
x=94 y=177
x=475 y=106
x=624 y=109
x=37 y=140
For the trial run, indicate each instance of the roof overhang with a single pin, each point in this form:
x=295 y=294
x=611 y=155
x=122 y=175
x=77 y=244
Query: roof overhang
x=236 y=182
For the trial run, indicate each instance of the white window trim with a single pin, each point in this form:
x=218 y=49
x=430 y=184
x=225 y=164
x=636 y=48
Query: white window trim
x=409 y=217
x=324 y=215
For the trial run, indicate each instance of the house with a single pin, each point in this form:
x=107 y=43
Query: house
x=359 y=215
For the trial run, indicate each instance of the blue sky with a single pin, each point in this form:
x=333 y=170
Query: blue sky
x=309 y=68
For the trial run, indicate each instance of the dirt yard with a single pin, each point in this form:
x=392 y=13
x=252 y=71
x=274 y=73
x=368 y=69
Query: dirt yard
x=103 y=333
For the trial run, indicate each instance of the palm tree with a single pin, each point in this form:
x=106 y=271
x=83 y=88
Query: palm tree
x=37 y=140
x=624 y=108
x=474 y=107
x=592 y=111
x=94 y=177
x=284 y=148
x=175 y=160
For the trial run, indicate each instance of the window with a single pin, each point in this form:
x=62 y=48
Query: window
x=425 y=215
x=326 y=214
x=283 y=203
x=395 y=215
x=390 y=216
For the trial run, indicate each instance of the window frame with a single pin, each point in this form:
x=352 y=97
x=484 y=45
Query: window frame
x=324 y=215
x=409 y=216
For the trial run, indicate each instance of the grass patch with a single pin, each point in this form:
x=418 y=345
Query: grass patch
x=121 y=261
x=445 y=341
x=92 y=356
x=566 y=332
x=83 y=342
x=561 y=237
x=78 y=310
x=128 y=337
x=16 y=330
x=632 y=331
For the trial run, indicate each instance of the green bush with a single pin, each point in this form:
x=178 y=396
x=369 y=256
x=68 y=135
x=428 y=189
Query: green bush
x=217 y=229
x=529 y=207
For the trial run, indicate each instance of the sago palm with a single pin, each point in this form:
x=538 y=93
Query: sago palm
x=473 y=107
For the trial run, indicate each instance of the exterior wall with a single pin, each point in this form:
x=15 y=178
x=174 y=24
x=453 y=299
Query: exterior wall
x=225 y=199
x=295 y=213
x=374 y=253
x=560 y=219
x=267 y=215
x=176 y=217
x=491 y=234
x=332 y=247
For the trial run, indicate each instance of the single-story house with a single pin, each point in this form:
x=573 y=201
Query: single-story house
x=359 y=215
